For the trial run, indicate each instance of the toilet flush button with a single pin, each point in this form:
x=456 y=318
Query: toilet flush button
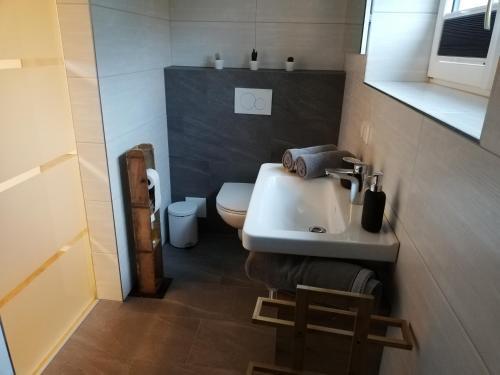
x=253 y=101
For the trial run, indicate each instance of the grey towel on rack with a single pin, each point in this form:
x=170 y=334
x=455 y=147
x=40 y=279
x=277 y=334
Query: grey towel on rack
x=314 y=165
x=290 y=156
x=285 y=272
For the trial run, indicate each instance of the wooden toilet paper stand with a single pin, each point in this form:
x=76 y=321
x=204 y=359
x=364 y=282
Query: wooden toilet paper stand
x=150 y=280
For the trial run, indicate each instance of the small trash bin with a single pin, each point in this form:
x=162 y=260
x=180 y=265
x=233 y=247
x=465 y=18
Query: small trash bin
x=183 y=224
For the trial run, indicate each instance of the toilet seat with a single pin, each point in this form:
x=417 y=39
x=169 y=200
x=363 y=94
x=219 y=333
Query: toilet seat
x=242 y=213
x=235 y=197
x=232 y=203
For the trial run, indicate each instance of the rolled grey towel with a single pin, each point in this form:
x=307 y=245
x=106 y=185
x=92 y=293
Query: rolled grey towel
x=290 y=156
x=285 y=272
x=314 y=165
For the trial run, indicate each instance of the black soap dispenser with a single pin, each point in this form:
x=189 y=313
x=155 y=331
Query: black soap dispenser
x=374 y=205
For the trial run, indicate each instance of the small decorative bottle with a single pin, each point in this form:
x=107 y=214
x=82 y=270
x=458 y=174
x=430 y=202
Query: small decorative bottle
x=254 y=63
x=289 y=64
x=219 y=62
x=374 y=205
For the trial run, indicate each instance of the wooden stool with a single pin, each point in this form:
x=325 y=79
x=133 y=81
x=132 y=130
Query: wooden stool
x=358 y=310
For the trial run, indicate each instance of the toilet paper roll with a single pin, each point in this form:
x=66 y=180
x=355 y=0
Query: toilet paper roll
x=154 y=182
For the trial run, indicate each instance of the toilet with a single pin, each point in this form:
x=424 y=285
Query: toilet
x=232 y=203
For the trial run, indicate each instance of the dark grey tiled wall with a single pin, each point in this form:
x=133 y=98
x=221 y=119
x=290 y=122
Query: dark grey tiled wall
x=209 y=144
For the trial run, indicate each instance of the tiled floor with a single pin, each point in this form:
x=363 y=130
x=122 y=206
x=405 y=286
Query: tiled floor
x=202 y=326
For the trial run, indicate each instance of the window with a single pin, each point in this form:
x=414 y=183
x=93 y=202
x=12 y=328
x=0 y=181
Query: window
x=459 y=5
x=465 y=52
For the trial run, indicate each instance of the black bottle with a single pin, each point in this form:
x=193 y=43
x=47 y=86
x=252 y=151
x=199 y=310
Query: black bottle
x=373 y=206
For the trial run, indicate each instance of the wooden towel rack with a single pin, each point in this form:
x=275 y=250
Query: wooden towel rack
x=358 y=310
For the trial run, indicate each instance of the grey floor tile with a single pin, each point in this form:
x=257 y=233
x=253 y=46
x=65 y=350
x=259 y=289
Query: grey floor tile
x=201 y=326
x=231 y=345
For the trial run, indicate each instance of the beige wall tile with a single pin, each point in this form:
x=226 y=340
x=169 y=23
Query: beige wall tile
x=311 y=31
x=78 y=45
x=447 y=272
x=213 y=10
x=86 y=108
x=355 y=12
x=314 y=46
x=312 y=11
x=394 y=142
x=352 y=122
x=128 y=42
x=122 y=109
x=154 y=8
x=107 y=275
x=352 y=38
x=196 y=43
x=453 y=220
x=101 y=227
x=122 y=237
x=94 y=171
x=442 y=346
x=356 y=64
x=356 y=110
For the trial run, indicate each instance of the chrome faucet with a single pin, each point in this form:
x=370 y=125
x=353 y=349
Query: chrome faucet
x=357 y=175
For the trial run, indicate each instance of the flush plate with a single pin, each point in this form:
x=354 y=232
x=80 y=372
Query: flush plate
x=253 y=101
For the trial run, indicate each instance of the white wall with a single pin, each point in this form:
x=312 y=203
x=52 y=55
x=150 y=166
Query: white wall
x=445 y=210
x=5 y=364
x=312 y=31
x=132 y=44
x=401 y=35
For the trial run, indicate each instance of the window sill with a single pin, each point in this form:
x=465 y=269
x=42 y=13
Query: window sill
x=453 y=108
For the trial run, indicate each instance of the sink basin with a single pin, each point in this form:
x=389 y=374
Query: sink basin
x=290 y=215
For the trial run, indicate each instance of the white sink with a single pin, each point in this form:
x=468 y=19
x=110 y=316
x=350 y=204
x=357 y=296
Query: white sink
x=284 y=207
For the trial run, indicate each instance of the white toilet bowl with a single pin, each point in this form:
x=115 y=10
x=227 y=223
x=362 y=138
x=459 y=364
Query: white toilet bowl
x=232 y=203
